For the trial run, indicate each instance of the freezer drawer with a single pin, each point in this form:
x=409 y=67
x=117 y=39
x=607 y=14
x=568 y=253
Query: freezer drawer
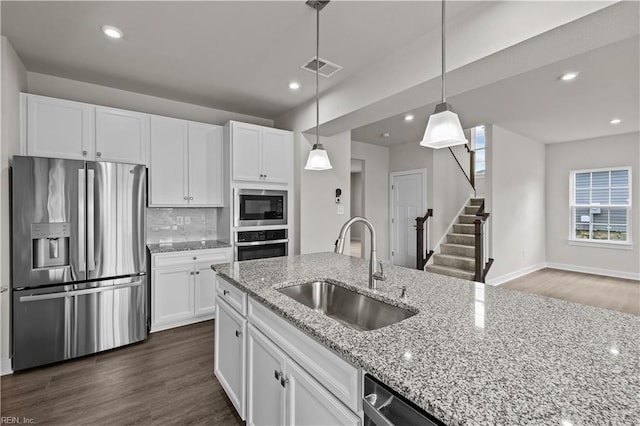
x=57 y=323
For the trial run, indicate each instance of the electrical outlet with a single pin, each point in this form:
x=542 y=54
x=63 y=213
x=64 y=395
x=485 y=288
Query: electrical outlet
x=340 y=209
x=187 y=220
x=179 y=220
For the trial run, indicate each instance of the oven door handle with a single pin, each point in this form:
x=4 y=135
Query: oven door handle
x=261 y=243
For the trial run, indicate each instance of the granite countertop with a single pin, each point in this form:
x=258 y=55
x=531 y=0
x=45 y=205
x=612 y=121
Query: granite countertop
x=186 y=246
x=474 y=354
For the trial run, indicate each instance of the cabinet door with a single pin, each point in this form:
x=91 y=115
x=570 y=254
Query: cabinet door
x=168 y=165
x=60 y=129
x=204 y=290
x=265 y=393
x=171 y=295
x=277 y=155
x=309 y=403
x=246 y=152
x=205 y=165
x=229 y=354
x=121 y=136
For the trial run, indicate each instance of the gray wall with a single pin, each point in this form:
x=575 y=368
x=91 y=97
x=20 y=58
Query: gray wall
x=14 y=80
x=57 y=87
x=515 y=187
x=356 y=203
x=561 y=159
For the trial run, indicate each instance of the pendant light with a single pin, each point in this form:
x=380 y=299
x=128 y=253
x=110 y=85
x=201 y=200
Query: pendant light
x=444 y=128
x=318 y=158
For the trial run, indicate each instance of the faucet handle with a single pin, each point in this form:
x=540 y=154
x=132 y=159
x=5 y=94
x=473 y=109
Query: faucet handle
x=379 y=276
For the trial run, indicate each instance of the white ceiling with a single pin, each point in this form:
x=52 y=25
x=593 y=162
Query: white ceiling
x=240 y=56
x=232 y=55
x=537 y=105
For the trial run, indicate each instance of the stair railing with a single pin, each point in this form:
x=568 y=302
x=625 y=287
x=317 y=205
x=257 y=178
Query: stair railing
x=421 y=232
x=482 y=262
x=463 y=155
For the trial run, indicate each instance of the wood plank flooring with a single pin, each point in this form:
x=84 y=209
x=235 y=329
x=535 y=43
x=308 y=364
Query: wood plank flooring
x=165 y=380
x=595 y=290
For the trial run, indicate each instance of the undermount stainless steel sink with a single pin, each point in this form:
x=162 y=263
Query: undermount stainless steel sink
x=352 y=309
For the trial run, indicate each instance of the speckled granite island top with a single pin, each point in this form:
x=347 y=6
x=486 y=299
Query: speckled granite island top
x=474 y=354
x=186 y=246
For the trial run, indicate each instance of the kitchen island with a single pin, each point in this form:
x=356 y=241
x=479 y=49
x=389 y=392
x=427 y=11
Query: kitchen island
x=473 y=354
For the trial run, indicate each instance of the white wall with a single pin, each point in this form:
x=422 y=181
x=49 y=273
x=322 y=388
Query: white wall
x=14 y=80
x=516 y=202
x=376 y=193
x=57 y=87
x=561 y=159
x=319 y=221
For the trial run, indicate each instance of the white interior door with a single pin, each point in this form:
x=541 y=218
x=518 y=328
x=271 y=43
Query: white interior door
x=408 y=199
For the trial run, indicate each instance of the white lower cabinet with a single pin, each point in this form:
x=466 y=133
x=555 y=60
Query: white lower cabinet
x=280 y=392
x=183 y=287
x=229 y=354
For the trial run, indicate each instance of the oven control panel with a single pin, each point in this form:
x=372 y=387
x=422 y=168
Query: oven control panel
x=266 y=235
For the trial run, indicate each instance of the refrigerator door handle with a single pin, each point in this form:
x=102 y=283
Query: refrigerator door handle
x=81 y=220
x=91 y=261
x=62 y=294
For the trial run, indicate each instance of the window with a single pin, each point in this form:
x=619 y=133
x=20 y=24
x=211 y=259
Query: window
x=480 y=148
x=601 y=205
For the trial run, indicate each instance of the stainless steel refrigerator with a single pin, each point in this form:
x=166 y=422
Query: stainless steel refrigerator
x=79 y=259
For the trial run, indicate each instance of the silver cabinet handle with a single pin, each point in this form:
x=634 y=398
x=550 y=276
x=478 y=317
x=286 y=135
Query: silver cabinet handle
x=225 y=292
x=195 y=258
x=191 y=198
x=197 y=272
x=283 y=381
x=84 y=153
x=186 y=198
x=98 y=154
x=238 y=333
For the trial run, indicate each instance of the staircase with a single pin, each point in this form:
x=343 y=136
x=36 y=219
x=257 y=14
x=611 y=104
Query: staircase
x=457 y=255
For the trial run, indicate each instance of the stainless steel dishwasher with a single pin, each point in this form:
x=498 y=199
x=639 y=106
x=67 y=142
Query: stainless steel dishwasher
x=384 y=407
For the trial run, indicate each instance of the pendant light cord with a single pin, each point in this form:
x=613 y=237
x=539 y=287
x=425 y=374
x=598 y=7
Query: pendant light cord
x=317 y=72
x=444 y=98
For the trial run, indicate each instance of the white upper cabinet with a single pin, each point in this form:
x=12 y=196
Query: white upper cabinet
x=58 y=128
x=121 y=136
x=205 y=165
x=261 y=154
x=169 y=162
x=73 y=130
x=185 y=164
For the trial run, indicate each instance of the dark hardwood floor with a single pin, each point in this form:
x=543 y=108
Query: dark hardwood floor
x=616 y=294
x=165 y=380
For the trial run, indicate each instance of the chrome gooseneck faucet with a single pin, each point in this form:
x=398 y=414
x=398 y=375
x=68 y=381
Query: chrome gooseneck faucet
x=374 y=274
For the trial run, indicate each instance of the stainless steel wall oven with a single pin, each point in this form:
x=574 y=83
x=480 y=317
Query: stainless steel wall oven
x=261 y=244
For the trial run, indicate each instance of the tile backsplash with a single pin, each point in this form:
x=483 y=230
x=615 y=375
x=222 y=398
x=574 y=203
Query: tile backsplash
x=181 y=224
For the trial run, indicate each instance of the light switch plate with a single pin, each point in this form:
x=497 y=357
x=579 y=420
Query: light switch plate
x=179 y=220
x=340 y=209
x=187 y=220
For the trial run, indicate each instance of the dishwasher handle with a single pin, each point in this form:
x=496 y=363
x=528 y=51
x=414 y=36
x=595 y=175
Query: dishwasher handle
x=373 y=415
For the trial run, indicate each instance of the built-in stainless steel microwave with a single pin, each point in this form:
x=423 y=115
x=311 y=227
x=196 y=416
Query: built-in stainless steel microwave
x=260 y=207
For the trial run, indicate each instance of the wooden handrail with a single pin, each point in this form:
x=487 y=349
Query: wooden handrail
x=421 y=258
x=481 y=269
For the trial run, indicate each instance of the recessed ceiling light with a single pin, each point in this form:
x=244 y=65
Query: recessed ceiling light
x=614 y=351
x=294 y=85
x=112 y=32
x=569 y=76
x=385 y=135
x=616 y=121
x=408 y=117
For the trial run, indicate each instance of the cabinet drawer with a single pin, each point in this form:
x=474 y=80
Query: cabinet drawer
x=337 y=375
x=232 y=295
x=191 y=257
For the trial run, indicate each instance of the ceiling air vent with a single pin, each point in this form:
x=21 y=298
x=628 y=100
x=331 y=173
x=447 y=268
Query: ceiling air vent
x=327 y=69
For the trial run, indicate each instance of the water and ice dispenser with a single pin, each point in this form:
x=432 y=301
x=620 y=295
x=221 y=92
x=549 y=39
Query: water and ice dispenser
x=50 y=244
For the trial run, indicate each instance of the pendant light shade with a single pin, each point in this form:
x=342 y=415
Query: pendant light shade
x=318 y=158
x=443 y=128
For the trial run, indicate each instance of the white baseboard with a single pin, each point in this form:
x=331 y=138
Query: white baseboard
x=515 y=274
x=5 y=367
x=595 y=271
